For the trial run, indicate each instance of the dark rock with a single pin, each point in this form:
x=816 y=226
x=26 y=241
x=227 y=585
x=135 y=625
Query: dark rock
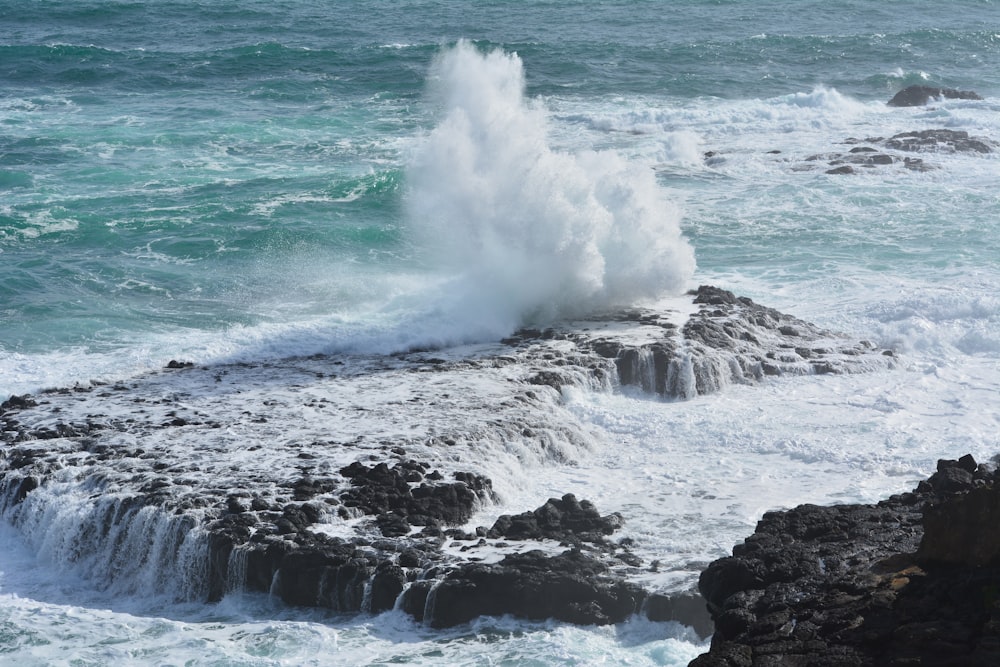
x=734 y=340
x=846 y=585
x=915 y=96
x=415 y=597
x=392 y=525
x=307 y=488
x=571 y=587
x=24 y=487
x=235 y=505
x=564 y=520
x=687 y=608
x=385 y=492
x=386 y=586
x=707 y=294
x=938 y=140
x=17 y=403
x=846 y=169
x=933 y=140
x=962 y=530
x=409 y=558
x=550 y=378
x=174 y=364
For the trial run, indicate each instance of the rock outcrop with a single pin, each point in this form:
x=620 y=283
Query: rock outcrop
x=875 y=152
x=910 y=580
x=571 y=586
x=350 y=483
x=916 y=96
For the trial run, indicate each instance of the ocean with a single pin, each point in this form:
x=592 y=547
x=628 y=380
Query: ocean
x=215 y=182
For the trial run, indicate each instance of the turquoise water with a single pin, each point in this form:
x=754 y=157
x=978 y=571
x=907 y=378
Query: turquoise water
x=213 y=180
x=167 y=166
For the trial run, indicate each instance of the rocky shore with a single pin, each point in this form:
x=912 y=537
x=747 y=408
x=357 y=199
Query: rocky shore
x=910 y=151
x=198 y=481
x=912 y=580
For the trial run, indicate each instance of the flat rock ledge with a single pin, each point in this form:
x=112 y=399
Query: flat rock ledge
x=912 y=580
x=351 y=483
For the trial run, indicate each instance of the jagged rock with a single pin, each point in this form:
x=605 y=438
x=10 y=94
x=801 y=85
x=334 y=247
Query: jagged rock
x=386 y=493
x=564 y=520
x=915 y=96
x=847 y=585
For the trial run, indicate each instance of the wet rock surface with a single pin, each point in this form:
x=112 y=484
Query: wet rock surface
x=897 y=583
x=348 y=483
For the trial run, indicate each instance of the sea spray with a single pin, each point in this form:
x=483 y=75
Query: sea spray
x=527 y=233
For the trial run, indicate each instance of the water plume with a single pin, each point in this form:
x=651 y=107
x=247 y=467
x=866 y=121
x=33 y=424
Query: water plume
x=526 y=232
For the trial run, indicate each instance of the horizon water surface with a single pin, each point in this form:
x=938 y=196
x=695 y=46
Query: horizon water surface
x=222 y=181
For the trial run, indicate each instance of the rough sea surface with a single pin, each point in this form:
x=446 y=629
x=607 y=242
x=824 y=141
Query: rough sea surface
x=216 y=182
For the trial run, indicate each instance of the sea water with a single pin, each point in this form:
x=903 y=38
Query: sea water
x=219 y=181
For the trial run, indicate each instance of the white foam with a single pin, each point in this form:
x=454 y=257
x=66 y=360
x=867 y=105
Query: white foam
x=530 y=233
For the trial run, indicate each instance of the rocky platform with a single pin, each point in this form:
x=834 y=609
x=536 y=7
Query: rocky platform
x=354 y=483
x=913 y=580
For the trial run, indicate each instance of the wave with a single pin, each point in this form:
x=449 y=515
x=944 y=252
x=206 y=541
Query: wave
x=529 y=233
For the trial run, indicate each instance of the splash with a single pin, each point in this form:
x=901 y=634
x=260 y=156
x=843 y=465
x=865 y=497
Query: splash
x=528 y=233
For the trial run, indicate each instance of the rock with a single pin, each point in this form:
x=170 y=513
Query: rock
x=687 y=607
x=962 y=530
x=847 y=585
x=386 y=493
x=730 y=340
x=939 y=140
x=571 y=587
x=387 y=584
x=869 y=157
x=564 y=520
x=17 y=403
x=915 y=96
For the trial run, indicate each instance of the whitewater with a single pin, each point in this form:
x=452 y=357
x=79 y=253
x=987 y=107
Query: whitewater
x=228 y=184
